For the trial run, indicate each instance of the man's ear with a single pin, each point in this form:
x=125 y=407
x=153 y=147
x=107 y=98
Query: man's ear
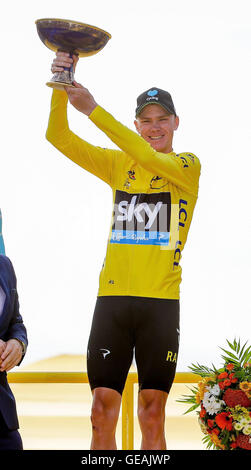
x=177 y=121
x=136 y=125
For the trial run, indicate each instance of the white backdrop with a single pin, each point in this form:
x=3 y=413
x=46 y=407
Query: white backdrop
x=56 y=216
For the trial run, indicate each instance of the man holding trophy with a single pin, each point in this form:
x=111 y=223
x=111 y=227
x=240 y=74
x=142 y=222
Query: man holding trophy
x=137 y=309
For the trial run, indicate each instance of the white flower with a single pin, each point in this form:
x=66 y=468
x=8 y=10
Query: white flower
x=238 y=426
x=215 y=390
x=206 y=403
x=247 y=430
x=212 y=404
x=211 y=409
x=245 y=420
x=207 y=395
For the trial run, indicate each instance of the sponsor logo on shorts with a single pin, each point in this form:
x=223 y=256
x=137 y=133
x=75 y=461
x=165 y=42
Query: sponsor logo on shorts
x=171 y=356
x=178 y=331
x=105 y=352
x=141 y=218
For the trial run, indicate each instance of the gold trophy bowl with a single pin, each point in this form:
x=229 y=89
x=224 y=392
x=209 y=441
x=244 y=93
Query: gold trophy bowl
x=73 y=37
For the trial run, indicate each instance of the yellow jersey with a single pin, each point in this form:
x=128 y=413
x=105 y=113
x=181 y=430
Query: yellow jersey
x=154 y=195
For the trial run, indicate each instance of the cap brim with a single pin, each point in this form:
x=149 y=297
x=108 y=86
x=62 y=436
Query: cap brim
x=138 y=110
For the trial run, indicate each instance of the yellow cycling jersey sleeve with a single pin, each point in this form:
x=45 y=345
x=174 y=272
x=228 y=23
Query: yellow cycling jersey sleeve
x=96 y=160
x=173 y=166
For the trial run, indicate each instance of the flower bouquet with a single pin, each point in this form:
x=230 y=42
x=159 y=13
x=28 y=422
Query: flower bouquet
x=223 y=397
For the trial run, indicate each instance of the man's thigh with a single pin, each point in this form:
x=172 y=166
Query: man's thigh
x=110 y=346
x=157 y=343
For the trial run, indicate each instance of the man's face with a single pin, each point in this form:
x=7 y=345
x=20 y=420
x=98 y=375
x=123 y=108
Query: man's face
x=156 y=126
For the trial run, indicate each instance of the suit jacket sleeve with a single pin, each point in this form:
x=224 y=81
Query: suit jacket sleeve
x=16 y=328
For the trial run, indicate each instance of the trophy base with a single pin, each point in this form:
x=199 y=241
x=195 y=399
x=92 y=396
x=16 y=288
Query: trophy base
x=59 y=85
x=62 y=79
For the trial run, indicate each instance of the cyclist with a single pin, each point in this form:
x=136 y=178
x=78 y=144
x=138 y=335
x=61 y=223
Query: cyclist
x=137 y=309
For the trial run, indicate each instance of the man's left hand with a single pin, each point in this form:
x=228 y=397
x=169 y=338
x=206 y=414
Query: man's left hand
x=11 y=356
x=81 y=98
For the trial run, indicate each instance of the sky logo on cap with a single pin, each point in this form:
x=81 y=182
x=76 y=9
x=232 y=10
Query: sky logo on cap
x=152 y=92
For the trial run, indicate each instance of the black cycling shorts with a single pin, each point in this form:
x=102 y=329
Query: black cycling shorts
x=123 y=325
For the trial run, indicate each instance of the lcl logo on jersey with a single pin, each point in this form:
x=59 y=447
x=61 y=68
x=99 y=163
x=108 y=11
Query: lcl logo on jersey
x=141 y=218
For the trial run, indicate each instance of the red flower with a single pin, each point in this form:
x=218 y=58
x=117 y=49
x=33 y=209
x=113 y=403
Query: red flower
x=242 y=441
x=223 y=375
x=227 y=383
x=221 y=385
x=233 y=445
x=210 y=423
x=203 y=412
x=233 y=378
x=230 y=366
x=224 y=421
x=233 y=398
x=216 y=431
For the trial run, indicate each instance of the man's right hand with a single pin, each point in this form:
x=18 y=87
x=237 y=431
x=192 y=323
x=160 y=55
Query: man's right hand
x=12 y=355
x=78 y=96
x=62 y=60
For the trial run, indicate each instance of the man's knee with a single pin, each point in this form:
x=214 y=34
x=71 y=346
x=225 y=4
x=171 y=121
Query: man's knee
x=105 y=409
x=151 y=409
x=151 y=415
x=102 y=414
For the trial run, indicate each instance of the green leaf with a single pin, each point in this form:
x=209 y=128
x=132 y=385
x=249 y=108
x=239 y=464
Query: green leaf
x=203 y=371
x=186 y=400
x=225 y=437
x=230 y=354
x=215 y=370
x=192 y=408
x=226 y=359
x=242 y=349
x=246 y=356
x=232 y=346
x=207 y=440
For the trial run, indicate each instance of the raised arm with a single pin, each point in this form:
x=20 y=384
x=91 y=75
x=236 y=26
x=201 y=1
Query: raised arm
x=183 y=170
x=96 y=160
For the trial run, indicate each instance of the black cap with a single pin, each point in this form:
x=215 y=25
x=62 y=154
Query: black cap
x=155 y=96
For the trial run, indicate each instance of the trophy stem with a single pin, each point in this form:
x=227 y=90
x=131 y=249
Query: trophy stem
x=62 y=79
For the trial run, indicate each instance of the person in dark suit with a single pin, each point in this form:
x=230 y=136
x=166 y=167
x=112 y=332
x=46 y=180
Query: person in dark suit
x=13 y=344
x=2 y=247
